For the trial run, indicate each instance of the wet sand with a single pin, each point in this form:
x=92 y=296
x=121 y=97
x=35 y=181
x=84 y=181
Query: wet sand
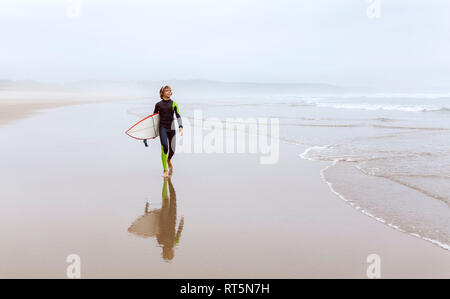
x=10 y=112
x=79 y=187
x=17 y=104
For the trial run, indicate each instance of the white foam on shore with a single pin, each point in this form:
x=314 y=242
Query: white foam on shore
x=358 y=208
x=405 y=103
x=305 y=153
x=383 y=107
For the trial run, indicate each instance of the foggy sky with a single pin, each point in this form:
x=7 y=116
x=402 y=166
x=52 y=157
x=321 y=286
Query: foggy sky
x=275 y=41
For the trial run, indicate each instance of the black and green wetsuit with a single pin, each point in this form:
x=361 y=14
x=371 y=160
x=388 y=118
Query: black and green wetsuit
x=168 y=235
x=166 y=109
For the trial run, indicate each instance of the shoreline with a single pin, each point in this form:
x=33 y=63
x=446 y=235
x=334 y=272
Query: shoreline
x=262 y=221
x=379 y=219
x=12 y=110
x=303 y=155
x=10 y=113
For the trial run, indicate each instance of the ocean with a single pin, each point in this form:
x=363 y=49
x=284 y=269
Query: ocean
x=389 y=154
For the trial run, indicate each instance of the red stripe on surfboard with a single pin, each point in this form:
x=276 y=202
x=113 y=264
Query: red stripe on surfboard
x=126 y=132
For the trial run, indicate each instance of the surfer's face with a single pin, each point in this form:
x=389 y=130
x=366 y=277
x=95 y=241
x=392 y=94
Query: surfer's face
x=167 y=93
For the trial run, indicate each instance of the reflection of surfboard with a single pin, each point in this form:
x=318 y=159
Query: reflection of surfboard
x=146 y=225
x=146 y=128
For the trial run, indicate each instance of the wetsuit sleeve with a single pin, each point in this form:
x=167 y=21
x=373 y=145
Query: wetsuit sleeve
x=177 y=114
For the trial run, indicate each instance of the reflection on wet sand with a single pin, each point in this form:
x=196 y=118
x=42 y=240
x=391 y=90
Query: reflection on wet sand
x=161 y=223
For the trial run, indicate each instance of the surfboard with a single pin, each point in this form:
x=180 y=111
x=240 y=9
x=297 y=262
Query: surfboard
x=147 y=225
x=146 y=128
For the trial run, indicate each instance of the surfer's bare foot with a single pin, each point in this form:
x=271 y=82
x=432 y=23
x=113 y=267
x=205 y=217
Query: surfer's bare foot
x=165 y=174
x=170 y=167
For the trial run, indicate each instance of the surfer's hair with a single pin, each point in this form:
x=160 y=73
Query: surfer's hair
x=162 y=90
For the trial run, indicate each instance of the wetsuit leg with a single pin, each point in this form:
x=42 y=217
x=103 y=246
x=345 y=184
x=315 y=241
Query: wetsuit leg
x=165 y=194
x=171 y=137
x=164 y=146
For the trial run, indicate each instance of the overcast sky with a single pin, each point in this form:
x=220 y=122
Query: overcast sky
x=320 y=41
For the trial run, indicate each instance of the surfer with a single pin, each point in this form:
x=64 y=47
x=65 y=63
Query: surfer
x=168 y=237
x=161 y=223
x=166 y=108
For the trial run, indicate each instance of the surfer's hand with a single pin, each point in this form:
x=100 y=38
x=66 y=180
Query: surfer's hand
x=181 y=131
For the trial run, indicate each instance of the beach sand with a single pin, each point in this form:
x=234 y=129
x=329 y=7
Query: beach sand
x=16 y=104
x=77 y=183
x=10 y=112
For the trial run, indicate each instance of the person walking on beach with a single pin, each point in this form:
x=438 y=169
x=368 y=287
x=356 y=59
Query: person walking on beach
x=166 y=108
x=168 y=237
x=161 y=223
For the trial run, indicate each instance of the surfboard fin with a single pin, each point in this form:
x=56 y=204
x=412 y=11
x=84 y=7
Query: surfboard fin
x=145 y=143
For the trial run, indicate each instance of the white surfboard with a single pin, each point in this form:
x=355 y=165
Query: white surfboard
x=147 y=225
x=146 y=128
